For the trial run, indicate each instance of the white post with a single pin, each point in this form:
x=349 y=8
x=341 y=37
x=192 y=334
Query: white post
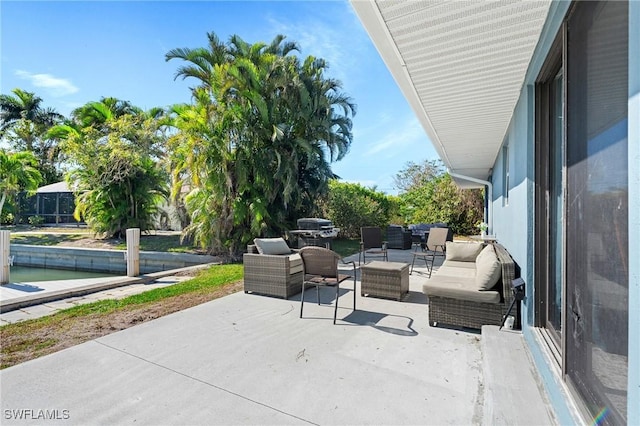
x=133 y=252
x=4 y=256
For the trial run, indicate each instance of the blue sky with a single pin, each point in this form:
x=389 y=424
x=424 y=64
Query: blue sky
x=73 y=52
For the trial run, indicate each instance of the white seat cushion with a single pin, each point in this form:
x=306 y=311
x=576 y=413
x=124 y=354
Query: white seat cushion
x=295 y=264
x=447 y=270
x=458 y=288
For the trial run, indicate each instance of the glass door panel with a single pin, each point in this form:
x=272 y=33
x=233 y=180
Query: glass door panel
x=556 y=206
x=596 y=328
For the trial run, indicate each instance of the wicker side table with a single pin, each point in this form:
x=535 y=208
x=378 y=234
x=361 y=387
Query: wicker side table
x=385 y=279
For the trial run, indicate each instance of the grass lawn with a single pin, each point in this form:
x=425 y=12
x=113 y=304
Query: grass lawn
x=45 y=239
x=34 y=338
x=170 y=243
x=163 y=242
x=346 y=247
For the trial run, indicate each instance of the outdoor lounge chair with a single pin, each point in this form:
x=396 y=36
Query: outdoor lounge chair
x=275 y=272
x=435 y=246
x=320 y=266
x=371 y=243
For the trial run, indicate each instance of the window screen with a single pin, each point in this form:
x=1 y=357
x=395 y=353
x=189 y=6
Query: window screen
x=597 y=208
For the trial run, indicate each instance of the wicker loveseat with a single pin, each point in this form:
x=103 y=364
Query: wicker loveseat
x=398 y=237
x=278 y=275
x=456 y=293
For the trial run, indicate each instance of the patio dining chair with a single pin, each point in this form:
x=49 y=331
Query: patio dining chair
x=371 y=243
x=435 y=246
x=320 y=266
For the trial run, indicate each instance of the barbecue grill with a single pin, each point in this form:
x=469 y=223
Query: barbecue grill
x=313 y=231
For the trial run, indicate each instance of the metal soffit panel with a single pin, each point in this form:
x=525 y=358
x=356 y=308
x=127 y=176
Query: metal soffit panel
x=461 y=66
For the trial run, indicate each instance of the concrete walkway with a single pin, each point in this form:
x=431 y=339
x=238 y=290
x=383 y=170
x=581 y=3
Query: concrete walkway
x=22 y=301
x=249 y=359
x=42 y=307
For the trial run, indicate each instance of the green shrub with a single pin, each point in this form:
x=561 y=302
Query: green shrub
x=7 y=219
x=440 y=200
x=36 y=220
x=350 y=206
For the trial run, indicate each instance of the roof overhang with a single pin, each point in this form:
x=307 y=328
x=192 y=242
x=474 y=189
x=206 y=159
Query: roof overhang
x=54 y=187
x=461 y=66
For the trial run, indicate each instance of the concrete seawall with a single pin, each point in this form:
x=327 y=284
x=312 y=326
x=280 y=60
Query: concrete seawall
x=98 y=260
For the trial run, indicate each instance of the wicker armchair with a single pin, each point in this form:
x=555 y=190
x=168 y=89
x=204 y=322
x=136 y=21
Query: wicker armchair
x=272 y=275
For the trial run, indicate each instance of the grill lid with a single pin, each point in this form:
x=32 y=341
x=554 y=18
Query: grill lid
x=314 y=224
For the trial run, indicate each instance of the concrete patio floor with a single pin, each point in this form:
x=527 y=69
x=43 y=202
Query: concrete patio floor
x=249 y=359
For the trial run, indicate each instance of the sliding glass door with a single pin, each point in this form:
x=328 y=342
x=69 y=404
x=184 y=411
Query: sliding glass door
x=597 y=206
x=582 y=263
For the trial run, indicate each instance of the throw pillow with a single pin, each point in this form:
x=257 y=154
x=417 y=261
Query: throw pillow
x=488 y=269
x=462 y=251
x=487 y=249
x=271 y=246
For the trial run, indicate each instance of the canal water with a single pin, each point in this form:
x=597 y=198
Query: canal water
x=21 y=274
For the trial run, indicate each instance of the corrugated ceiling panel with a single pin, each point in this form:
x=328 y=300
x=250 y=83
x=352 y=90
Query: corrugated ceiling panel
x=466 y=61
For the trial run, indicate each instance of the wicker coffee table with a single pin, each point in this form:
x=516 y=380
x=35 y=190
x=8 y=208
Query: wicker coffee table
x=385 y=279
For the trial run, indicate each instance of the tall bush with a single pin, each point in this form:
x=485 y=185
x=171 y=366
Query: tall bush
x=430 y=195
x=18 y=172
x=117 y=178
x=351 y=206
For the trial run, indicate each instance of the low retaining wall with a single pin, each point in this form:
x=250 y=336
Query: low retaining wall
x=97 y=260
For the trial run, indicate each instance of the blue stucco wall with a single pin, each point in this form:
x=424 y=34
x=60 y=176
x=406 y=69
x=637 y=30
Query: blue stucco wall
x=514 y=223
x=513 y=226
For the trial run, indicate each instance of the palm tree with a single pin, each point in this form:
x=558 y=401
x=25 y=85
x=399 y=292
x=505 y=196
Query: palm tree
x=23 y=106
x=321 y=130
x=24 y=123
x=98 y=113
x=17 y=172
x=26 y=107
x=255 y=141
x=202 y=61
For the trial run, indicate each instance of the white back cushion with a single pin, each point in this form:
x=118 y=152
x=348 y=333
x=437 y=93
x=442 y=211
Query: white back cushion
x=463 y=251
x=271 y=246
x=488 y=269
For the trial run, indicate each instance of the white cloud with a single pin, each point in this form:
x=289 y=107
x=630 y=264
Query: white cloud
x=328 y=40
x=399 y=137
x=54 y=86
